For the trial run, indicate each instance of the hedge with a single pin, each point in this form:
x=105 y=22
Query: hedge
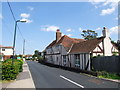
x=9 y=71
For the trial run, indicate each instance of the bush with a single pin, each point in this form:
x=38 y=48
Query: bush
x=9 y=71
x=41 y=59
x=104 y=74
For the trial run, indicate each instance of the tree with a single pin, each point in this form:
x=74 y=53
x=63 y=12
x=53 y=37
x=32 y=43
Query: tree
x=36 y=54
x=89 y=34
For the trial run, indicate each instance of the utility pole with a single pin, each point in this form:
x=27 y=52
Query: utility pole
x=24 y=47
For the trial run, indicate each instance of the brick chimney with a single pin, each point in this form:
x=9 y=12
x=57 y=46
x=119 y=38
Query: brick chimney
x=58 y=34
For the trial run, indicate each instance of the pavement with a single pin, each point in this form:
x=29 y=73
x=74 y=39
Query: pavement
x=24 y=79
x=50 y=77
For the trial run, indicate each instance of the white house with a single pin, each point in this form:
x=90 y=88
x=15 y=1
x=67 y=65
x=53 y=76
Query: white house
x=73 y=52
x=6 y=52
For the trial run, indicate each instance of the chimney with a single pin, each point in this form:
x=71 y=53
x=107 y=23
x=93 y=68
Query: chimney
x=58 y=34
x=105 y=32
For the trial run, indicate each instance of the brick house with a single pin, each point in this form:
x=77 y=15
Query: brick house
x=73 y=52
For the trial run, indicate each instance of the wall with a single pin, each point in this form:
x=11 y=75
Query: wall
x=84 y=58
x=97 y=49
x=106 y=63
x=107 y=46
x=55 y=53
x=8 y=51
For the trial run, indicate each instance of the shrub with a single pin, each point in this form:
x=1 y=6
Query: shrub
x=9 y=71
x=41 y=59
x=104 y=74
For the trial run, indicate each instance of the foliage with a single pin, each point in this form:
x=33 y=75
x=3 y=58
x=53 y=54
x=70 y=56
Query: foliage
x=1 y=56
x=113 y=42
x=9 y=71
x=104 y=74
x=36 y=55
x=89 y=34
x=115 y=53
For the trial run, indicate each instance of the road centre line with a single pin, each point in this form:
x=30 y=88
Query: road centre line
x=71 y=81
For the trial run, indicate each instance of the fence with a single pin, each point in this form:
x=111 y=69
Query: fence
x=106 y=63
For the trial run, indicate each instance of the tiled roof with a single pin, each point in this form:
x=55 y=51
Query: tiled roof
x=51 y=44
x=86 y=46
x=115 y=46
x=66 y=42
x=5 y=46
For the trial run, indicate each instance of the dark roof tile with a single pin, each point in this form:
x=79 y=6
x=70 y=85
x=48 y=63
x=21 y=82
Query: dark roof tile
x=86 y=46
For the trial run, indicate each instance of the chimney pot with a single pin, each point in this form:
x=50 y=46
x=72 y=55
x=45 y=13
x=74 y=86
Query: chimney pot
x=58 y=30
x=104 y=28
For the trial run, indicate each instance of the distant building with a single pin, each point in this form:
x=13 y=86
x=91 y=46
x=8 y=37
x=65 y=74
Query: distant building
x=73 y=52
x=6 y=52
x=28 y=56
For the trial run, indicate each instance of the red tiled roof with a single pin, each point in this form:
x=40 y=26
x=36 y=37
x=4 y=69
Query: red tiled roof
x=80 y=40
x=86 y=46
x=51 y=44
x=5 y=46
x=66 y=42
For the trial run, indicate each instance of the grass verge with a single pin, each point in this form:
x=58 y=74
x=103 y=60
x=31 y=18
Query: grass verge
x=104 y=74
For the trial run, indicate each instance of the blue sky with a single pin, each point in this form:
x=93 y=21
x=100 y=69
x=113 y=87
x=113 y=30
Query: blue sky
x=45 y=17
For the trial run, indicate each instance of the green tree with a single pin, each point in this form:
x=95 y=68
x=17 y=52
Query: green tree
x=89 y=34
x=36 y=54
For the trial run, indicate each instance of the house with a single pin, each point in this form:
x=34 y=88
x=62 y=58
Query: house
x=28 y=56
x=6 y=52
x=73 y=52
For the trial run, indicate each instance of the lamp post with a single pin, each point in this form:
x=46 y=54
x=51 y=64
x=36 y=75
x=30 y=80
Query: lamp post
x=15 y=37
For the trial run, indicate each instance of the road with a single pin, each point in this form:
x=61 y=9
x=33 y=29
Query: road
x=49 y=77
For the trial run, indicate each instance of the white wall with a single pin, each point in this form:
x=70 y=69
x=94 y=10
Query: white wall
x=107 y=46
x=8 y=51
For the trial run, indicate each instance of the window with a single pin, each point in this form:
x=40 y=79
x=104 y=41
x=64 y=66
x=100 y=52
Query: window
x=64 y=59
x=3 y=49
x=77 y=60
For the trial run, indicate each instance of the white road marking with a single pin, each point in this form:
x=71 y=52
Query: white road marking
x=71 y=81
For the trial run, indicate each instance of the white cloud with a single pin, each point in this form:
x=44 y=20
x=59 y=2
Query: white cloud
x=98 y=28
x=107 y=11
x=69 y=35
x=49 y=28
x=112 y=5
x=96 y=1
x=80 y=29
x=69 y=30
x=114 y=30
x=25 y=15
x=63 y=34
x=30 y=8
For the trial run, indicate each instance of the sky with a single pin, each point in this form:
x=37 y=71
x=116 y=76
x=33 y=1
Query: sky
x=44 y=18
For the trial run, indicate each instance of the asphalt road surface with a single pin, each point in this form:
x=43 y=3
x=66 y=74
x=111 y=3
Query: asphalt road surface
x=50 y=77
